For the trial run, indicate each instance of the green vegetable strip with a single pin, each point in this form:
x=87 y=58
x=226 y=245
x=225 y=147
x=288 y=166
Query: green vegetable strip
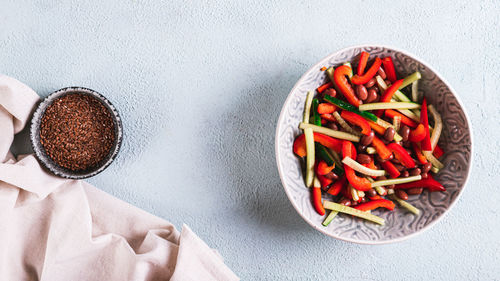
x=405 y=204
x=396 y=181
x=329 y=218
x=351 y=211
x=435 y=169
x=410 y=79
x=349 y=107
x=316 y=118
x=323 y=154
x=414 y=91
x=388 y=105
x=399 y=96
x=309 y=136
x=350 y=74
x=338 y=165
x=330 y=132
x=330 y=72
x=436 y=133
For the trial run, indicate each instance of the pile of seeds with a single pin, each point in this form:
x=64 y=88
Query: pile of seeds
x=77 y=132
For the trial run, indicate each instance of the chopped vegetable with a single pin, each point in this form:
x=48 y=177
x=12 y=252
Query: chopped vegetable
x=344 y=124
x=426 y=142
x=381 y=148
x=396 y=181
x=429 y=183
x=359 y=183
x=402 y=155
x=405 y=204
x=323 y=154
x=345 y=88
x=414 y=91
x=323 y=168
x=421 y=158
x=389 y=92
x=323 y=68
x=325 y=86
x=435 y=169
x=388 y=105
x=344 y=105
x=354 y=193
x=389 y=69
x=374 y=204
x=326 y=108
x=418 y=134
x=316 y=120
x=371 y=150
x=337 y=186
x=316 y=198
x=309 y=140
x=390 y=169
x=438 y=152
x=362 y=169
x=396 y=122
x=330 y=132
x=363 y=60
x=414 y=77
x=357 y=120
x=351 y=211
x=363 y=79
x=329 y=218
x=405 y=120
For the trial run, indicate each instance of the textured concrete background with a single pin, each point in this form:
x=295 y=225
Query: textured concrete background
x=200 y=85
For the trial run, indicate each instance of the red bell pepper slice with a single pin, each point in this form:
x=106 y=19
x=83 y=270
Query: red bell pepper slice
x=299 y=145
x=424 y=119
x=357 y=120
x=339 y=77
x=438 y=152
x=418 y=134
x=390 y=71
x=375 y=197
x=430 y=183
x=363 y=79
x=316 y=200
x=325 y=86
x=391 y=169
x=325 y=182
x=323 y=122
x=323 y=168
x=376 y=127
x=389 y=92
x=381 y=148
x=326 y=108
x=420 y=157
x=371 y=165
x=328 y=117
x=402 y=155
x=405 y=120
x=363 y=60
x=371 y=205
x=358 y=183
x=337 y=186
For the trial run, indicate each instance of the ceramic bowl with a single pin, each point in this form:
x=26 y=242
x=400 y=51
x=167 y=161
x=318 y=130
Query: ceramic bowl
x=456 y=141
x=39 y=150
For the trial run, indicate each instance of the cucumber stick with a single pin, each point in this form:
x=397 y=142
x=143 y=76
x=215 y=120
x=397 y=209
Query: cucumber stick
x=349 y=107
x=330 y=132
x=351 y=211
x=405 y=204
x=415 y=76
x=309 y=136
x=324 y=154
x=316 y=119
x=329 y=218
x=396 y=181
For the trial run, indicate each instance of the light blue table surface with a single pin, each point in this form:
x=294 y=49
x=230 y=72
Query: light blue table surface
x=200 y=85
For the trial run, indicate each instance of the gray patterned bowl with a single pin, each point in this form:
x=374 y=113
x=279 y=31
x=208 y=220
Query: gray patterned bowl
x=39 y=150
x=456 y=141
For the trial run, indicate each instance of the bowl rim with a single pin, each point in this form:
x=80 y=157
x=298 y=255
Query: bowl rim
x=357 y=241
x=38 y=147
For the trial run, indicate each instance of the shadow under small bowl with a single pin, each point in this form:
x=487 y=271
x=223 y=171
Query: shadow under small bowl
x=40 y=152
x=455 y=140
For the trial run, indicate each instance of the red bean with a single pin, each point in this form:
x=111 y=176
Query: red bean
x=404 y=131
x=372 y=192
x=330 y=92
x=332 y=176
x=361 y=92
x=372 y=95
x=405 y=174
x=363 y=158
x=381 y=72
x=401 y=194
x=333 y=126
x=426 y=167
x=345 y=202
x=367 y=139
x=389 y=134
x=424 y=175
x=370 y=83
x=415 y=172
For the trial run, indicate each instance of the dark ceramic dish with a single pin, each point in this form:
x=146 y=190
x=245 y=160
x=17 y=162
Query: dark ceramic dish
x=40 y=151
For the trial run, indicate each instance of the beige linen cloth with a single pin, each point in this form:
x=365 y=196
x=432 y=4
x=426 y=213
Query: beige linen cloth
x=59 y=229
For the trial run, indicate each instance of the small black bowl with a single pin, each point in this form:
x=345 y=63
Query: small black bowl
x=40 y=150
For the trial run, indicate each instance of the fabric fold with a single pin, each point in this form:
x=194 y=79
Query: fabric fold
x=58 y=229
